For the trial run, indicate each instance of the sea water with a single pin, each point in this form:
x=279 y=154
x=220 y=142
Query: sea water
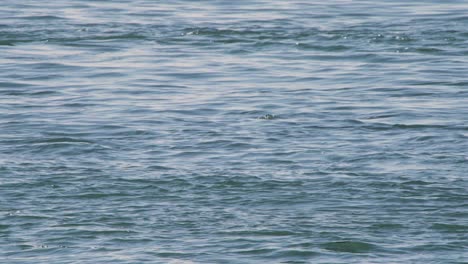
x=221 y=131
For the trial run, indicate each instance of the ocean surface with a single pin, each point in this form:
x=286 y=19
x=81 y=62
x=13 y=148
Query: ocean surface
x=221 y=131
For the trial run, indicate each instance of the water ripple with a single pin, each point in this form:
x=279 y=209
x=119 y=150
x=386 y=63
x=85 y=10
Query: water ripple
x=222 y=132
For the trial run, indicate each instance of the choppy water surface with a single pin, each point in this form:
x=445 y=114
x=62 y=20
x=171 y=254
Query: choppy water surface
x=233 y=131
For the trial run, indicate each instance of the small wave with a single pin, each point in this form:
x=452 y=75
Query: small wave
x=159 y=168
x=45 y=17
x=13 y=85
x=349 y=246
x=296 y=254
x=258 y=251
x=268 y=117
x=328 y=48
x=450 y=228
x=7 y=43
x=255 y=233
x=61 y=140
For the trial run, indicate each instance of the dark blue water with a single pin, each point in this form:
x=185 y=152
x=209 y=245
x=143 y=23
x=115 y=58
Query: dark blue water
x=233 y=131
